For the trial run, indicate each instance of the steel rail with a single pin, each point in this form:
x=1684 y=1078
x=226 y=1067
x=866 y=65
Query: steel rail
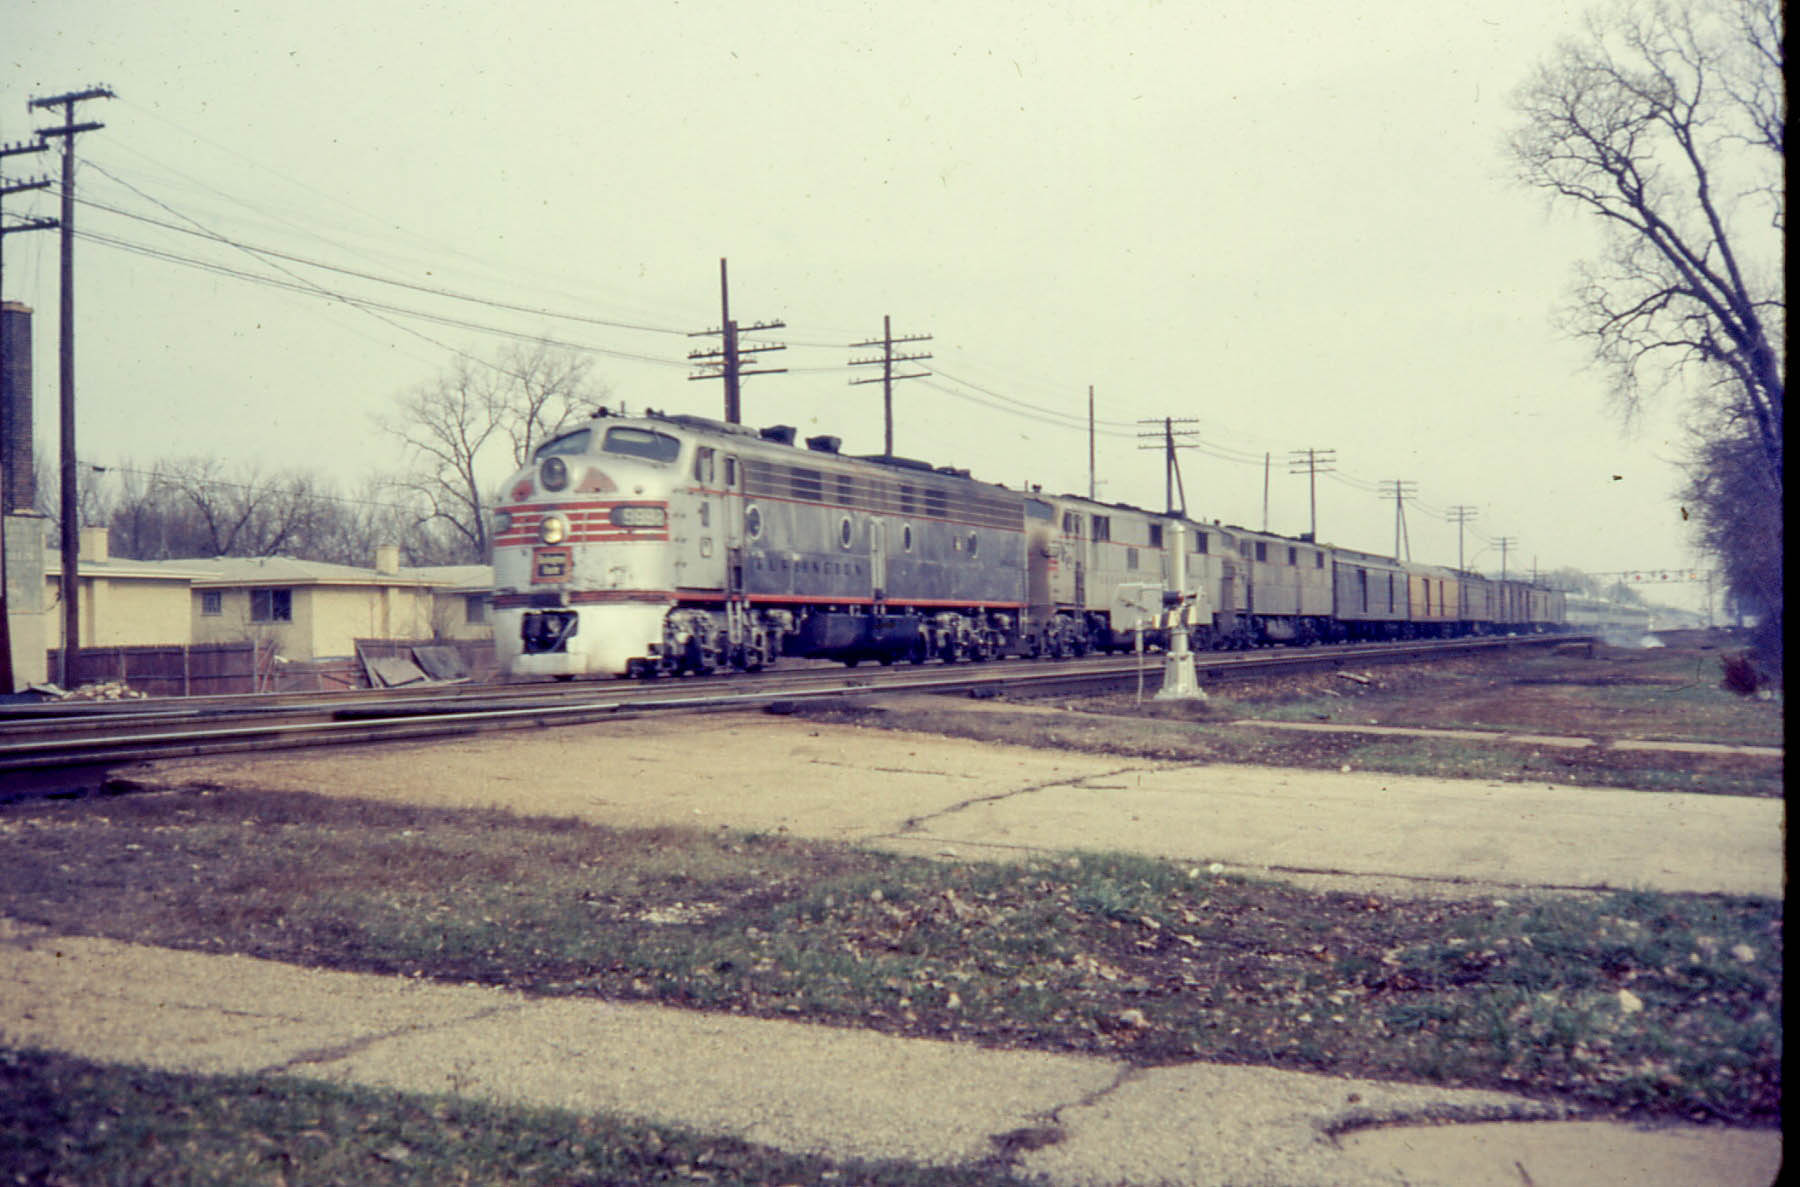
x=414 y=719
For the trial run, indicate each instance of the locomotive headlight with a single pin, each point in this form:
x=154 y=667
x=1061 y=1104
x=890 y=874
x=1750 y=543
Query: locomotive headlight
x=553 y=530
x=640 y=517
x=554 y=473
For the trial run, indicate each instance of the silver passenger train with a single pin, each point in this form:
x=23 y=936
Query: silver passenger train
x=665 y=544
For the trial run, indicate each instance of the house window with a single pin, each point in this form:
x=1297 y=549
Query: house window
x=475 y=608
x=1318 y=560
x=1102 y=527
x=1293 y=556
x=212 y=602
x=1262 y=551
x=1156 y=535
x=1199 y=541
x=1131 y=558
x=271 y=605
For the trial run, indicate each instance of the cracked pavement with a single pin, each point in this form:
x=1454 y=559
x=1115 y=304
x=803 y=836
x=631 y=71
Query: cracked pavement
x=796 y=1086
x=1079 y=1120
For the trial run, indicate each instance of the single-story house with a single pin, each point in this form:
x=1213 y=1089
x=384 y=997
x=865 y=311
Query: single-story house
x=309 y=609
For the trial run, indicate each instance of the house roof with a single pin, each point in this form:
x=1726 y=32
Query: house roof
x=243 y=571
x=116 y=567
x=287 y=570
x=468 y=578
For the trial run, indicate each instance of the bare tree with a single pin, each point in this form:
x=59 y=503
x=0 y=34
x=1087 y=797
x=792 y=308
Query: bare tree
x=460 y=428
x=1667 y=121
x=93 y=497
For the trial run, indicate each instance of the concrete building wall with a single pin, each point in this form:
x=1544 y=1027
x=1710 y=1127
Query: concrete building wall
x=336 y=616
x=450 y=616
x=121 y=611
x=231 y=622
x=27 y=606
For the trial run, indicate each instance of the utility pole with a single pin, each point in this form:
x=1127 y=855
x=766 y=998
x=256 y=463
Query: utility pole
x=70 y=503
x=1092 y=484
x=1171 y=439
x=1461 y=515
x=29 y=224
x=1504 y=543
x=729 y=358
x=887 y=358
x=1265 y=490
x=1400 y=488
x=1312 y=462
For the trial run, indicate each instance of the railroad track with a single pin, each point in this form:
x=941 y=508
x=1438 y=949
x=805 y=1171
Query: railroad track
x=43 y=746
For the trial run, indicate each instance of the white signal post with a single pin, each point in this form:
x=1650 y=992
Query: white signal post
x=1179 y=682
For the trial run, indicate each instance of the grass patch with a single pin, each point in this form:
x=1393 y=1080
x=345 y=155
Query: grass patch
x=1669 y=694
x=1655 y=1004
x=1205 y=732
x=64 y=1120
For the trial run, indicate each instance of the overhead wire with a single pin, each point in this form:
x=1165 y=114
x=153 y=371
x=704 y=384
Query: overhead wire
x=432 y=290
x=374 y=309
x=270 y=257
x=363 y=303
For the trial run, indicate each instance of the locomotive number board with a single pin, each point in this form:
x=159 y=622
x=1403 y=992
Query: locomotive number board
x=550 y=565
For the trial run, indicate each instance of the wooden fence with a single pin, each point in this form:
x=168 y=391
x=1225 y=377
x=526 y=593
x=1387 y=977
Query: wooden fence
x=175 y=670
x=211 y=669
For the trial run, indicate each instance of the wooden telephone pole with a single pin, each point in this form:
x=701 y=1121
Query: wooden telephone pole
x=1312 y=462
x=1171 y=439
x=887 y=358
x=1400 y=488
x=70 y=502
x=730 y=357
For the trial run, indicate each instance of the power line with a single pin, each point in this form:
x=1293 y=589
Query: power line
x=432 y=290
x=996 y=399
x=366 y=305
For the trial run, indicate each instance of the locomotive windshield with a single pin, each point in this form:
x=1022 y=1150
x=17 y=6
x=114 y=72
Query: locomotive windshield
x=576 y=442
x=644 y=443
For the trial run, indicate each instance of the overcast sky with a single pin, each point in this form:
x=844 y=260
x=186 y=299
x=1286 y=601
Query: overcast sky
x=1292 y=222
